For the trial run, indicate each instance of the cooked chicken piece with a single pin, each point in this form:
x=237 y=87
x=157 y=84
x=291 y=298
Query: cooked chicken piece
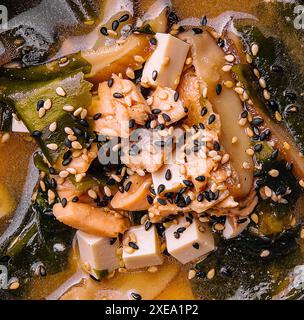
x=167 y=105
x=199 y=109
x=101 y=222
x=135 y=198
x=67 y=190
x=82 y=163
x=144 y=152
x=118 y=104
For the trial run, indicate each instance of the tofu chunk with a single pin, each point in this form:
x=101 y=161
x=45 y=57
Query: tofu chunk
x=18 y=126
x=99 y=253
x=176 y=181
x=194 y=242
x=233 y=228
x=165 y=65
x=148 y=252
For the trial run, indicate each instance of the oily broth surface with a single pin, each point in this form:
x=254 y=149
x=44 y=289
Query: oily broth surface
x=15 y=155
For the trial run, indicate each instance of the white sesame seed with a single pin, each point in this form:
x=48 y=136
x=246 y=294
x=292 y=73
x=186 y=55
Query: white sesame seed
x=250 y=152
x=211 y=274
x=274 y=173
x=47 y=104
x=286 y=145
x=230 y=58
x=234 y=140
x=254 y=49
x=52 y=146
x=191 y=274
x=248 y=58
x=77 y=112
x=278 y=116
x=152 y=269
x=239 y=90
x=139 y=59
x=228 y=84
x=266 y=94
x=227 y=68
x=242 y=122
x=264 y=253
x=41 y=112
x=205 y=92
x=63 y=174
x=68 y=108
x=256 y=72
x=301 y=183
x=189 y=61
x=268 y=191
x=83 y=113
x=225 y=158
x=246 y=165
x=71 y=170
x=53 y=126
x=76 y=145
x=5 y=137
x=107 y=191
x=262 y=83
x=68 y=130
x=60 y=92
x=72 y=137
x=130 y=73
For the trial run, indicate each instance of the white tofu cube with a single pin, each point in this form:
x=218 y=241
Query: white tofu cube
x=190 y=244
x=176 y=181
x=148 y=252
x=233 y=229
x=98 y=253
x=18 y=126
x=165 y=65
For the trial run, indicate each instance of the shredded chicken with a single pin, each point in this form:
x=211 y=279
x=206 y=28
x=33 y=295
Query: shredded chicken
x=118 y=105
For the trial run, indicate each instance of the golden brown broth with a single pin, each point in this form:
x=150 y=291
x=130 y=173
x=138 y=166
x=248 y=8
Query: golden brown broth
x=15 y=155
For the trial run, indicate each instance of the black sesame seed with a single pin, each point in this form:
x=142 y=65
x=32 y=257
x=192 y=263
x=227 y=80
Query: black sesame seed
x=53 y=184
x=197 y=30
x=186 y=110
x=226 y=272
x=77 y=131
x=156 y=111
x=148 y=225
x=52 y=170
x=211 y=119
x=181 y=230
x=289 y=166
x=201 y=274
x=104 y=31
x=168 y=175
x=176 y=96
x=176 y=235
x=188 y=200
x=202 y=126
x=204 y=21
x=273 y=105
x=216 y=146
x=112 y=241
x=160 y=127
x=161 y=188
x=274 y=154
x=244 y=114
x=131 y=123
x=161 y=201
x=102 y=204
x=97 y=116
x=75 y=199
x=256 y=131
x=257 y=121
x=40 y=104
x=66 y=161
x=200 y=178
x=182 y=190
x=42 y=271
x=153 y=41
x=172 y=17
x=218 y=89
x=133 y=245
x=154 y=75
x=110 y=82
x=64 y=202
x=188 y=183
x=258 y=147
x=115 y=25
x=166 y=117
x=67 y=154
x=136 y=296
x=124 y=18
x=221 y=42
x=152 y=191
x=118 y=95
x=195 y=245
x=121 y=189
x=128 y=186
x=149 y=199
x=241 y=221
x=84 y=123
x=36 y=134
